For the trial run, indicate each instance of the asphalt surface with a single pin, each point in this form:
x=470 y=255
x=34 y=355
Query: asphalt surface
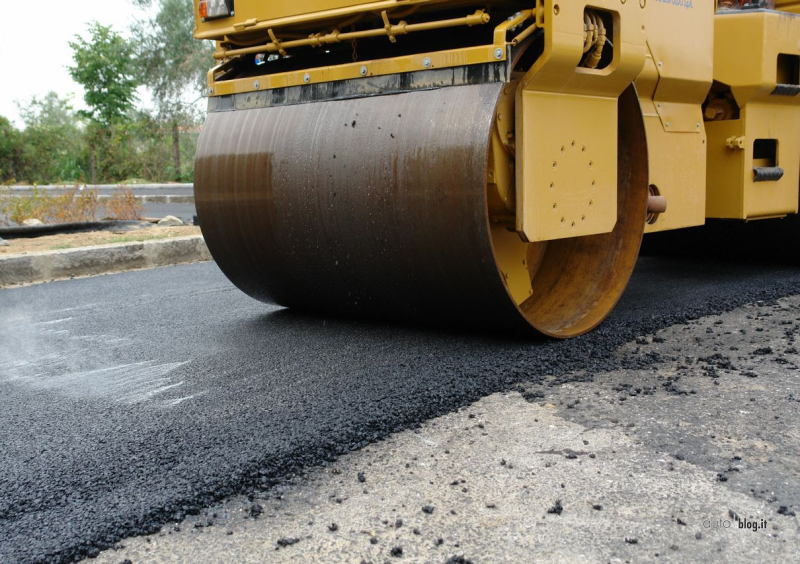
x=696 y=457
x=184 y=212
x=133 y=400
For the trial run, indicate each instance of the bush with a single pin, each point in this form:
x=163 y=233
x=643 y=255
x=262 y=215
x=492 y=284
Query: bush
x=70 y=207
x=73 y=206
x=123 y=205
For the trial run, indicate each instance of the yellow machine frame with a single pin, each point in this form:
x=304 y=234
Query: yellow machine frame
x=764 y=114
x=564 y=181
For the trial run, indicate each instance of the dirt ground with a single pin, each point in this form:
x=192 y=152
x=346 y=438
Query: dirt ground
x=93 y=238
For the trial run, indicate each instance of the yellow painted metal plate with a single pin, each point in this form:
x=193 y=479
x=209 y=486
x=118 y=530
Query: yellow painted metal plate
x=570 y=154
x=751 y=71
x=557 y=69
x=752 y=75
x=672 y=88
x=677 y=163
x=567 y=117
x=259 y=15
x=681 y=40
x=731 y=190
x=788 y=5
x=379 y=67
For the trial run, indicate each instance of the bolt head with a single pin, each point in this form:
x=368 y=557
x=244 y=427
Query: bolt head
x=498 y=53
x=210 y=91
x=363 y=70
x=306 y=78
x=256 y=85
x=426 y=62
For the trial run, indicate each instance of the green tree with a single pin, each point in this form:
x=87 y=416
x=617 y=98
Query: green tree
x=51 y=146
x=105 y=67
x=173 y=65
x=10 y=150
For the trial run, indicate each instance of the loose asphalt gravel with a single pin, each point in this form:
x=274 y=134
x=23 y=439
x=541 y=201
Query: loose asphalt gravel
x=133 y=400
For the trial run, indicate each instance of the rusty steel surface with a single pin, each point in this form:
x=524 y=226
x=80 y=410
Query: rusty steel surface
x=368 y=206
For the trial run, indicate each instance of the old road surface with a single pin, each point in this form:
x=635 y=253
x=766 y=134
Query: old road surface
x=133 y=401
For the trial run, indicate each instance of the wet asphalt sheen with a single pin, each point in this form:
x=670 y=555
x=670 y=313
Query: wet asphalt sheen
x=131 y=400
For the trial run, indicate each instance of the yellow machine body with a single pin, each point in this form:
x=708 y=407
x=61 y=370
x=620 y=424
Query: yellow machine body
x=588 y=123
x=765 y=131
x=672 y=88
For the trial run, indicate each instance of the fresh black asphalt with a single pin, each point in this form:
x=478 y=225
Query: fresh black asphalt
x=131 y=400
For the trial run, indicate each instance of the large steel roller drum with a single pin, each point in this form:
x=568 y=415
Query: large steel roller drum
x=378 y=206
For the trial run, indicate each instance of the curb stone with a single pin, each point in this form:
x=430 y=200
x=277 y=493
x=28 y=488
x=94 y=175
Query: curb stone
x=104 y=259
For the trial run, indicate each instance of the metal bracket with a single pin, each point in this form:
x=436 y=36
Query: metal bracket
x=735 y=143
x=276 y=42
x=388 y=27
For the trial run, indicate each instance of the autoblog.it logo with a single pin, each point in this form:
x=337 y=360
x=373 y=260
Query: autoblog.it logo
x=736 y=522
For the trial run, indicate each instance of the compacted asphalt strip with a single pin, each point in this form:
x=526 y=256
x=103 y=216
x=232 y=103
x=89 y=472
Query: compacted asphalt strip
x=132 y=400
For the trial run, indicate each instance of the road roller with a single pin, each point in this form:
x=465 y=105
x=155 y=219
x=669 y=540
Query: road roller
x=485 y=163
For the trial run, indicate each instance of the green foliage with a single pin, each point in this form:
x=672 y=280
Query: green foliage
x=10 y=150
x=54 y=147
x=51 y=147
x=113 y=141
x=173 y=65
x=106 y=68
x=171 y=62
x=153 y=156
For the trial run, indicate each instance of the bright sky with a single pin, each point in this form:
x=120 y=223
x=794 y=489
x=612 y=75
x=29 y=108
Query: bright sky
x=34 y=49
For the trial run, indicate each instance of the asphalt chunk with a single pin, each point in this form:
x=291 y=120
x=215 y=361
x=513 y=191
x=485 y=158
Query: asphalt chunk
x=286 y=541
x=458 y=560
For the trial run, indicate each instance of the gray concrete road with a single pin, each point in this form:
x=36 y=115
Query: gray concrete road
x=127 y=419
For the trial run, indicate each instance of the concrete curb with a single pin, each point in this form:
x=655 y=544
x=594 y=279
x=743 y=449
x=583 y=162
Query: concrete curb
x=104 y=259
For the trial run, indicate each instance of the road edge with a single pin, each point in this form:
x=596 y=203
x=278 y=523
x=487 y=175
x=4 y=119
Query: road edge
x=36 y=268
